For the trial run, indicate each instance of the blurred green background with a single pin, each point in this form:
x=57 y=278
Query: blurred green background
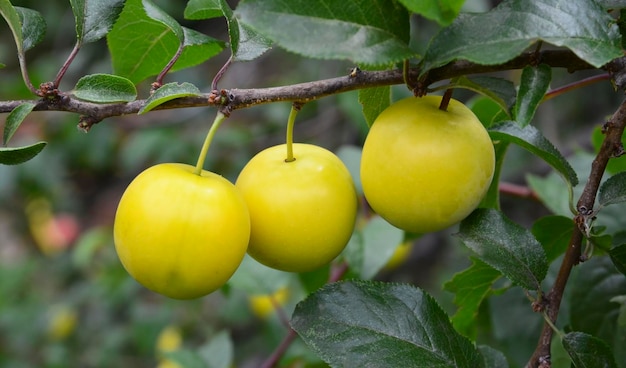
x=65 y=300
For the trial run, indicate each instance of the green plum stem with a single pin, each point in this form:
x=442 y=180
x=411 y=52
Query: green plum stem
x=289 y=139
x=207 y=142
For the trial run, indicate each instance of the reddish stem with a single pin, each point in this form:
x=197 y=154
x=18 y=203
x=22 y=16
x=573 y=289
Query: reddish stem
x=445 y=100
x=66 y=65
x=159 y=79
x=517 y=191
x=575 y=85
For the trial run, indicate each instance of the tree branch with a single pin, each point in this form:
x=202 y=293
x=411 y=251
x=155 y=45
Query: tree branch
x=611 y=147
x=234 y=99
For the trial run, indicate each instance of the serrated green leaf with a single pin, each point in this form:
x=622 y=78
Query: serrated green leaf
x=218 y=352
x=15 y=118
x=613 y=190
x=583 y=27
x=591 y=310
x=245 y=43
x=554 y=233
x=18 y=155
x=470 y=287
x=533 y=86
x=500 y=90
x=361 y=323
x=505 y=246
x=618 y=256
x=374 y=101
x=33 y=26
x=531 y=139
x=442 y=12
x=168 y=92
x=105 y=88
x=156 y=13
x=588 y=351
x=95 y=18
x=492 y=358
x=372 y=32
x=141 y=46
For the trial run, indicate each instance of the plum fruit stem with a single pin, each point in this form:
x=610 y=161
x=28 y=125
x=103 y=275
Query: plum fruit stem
x=207 y=142
x=289 y=137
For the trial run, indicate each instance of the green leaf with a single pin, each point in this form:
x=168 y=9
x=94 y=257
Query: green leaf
x=492 y=198
x=95 y=18
x=486 y=109
x=10 y=15
x=255 y=278
x=500 y=90
x=492 y=358
x=218 y=352
x=185 y=358
x=509 y=29
x=531 y=139
x=374 y=101
x=505 y=246
x=33 y=27
x=618 y=256
x=245 y=43
x=141 y=46
x=554 y=233
x=442 y=12
x=15 y=118
x=591 y=310
x=470 y=287
x=549 y=190
x=105 y=88
x=534 y=85
x=374 y=324
x=205 y=9
x=380 y=240
x=351 y=157
x=372 y=32
x=17 y=155
x=588 y=351
x=167 y=92
x=613 y=190
x=154 y=12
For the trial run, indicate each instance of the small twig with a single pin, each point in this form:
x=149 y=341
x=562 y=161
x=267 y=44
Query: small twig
x=614 y=131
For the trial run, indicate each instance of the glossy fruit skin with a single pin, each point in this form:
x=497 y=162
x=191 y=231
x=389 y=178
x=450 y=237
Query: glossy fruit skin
x=424 y=169
x=302 y=212
x=180 y=234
